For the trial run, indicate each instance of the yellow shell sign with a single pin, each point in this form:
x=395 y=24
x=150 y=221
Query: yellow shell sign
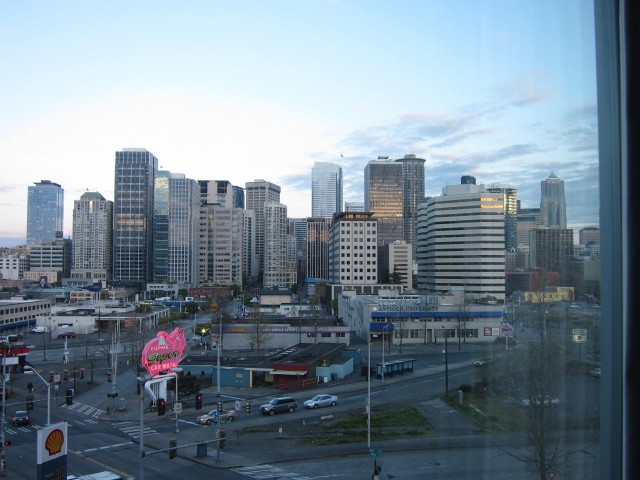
x=214 y=307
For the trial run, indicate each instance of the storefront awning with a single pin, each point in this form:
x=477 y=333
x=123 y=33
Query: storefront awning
x=292 y=373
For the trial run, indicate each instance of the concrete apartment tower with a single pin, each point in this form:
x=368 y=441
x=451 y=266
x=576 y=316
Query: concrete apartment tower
x=92 y=249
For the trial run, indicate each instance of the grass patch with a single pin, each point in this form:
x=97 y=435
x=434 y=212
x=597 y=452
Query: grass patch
x=389 y=424
x=493 y=414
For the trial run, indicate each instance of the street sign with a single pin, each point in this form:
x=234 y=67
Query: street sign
x=177 y=407
x=579 y=335
x=375 y=452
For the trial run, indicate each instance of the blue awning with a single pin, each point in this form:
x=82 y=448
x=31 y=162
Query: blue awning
x=381 y=327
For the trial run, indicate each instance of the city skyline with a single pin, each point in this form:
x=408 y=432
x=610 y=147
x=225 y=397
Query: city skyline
x=362 y=79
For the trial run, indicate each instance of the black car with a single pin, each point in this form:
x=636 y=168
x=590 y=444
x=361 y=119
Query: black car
x=20 y=418
x=279 y=405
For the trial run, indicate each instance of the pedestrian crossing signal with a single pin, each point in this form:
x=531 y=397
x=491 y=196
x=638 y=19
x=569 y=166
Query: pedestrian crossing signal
x=198 y=401
x=162 y=406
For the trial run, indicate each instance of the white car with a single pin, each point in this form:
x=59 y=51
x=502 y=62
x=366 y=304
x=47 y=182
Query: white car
x=322 y=400
x=39 y=330
x=27 y=370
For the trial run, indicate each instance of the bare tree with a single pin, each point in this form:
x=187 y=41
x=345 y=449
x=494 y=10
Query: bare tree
x=259 y=334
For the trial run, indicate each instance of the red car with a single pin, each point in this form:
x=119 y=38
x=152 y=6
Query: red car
x=67 y=335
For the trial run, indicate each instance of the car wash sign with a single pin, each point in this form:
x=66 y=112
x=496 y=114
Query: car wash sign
x=163 y=352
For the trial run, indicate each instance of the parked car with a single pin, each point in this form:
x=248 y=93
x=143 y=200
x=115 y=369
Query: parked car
x=67 y=335
x=27 y=369
x=20 y=418
x=39 y=330
x=480 y=363
x=538 y=401
x=279 y=405
x=595 y=372
x=212 y=416
x=322 y=400
x=15 y=337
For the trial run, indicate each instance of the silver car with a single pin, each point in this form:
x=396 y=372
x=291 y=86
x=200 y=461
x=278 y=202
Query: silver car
x=322 y=400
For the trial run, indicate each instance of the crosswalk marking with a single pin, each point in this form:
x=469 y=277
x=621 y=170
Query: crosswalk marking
x=133 y=429
x=268 y=472
x=87 y=410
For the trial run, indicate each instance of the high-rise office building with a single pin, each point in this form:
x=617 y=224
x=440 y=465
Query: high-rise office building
x=238 y=197
x=45 y=212
x=135 y=173
x=276 y=272
x=298 y=228
x=353 y=249
x=412 y=194
x=326 y=189
x=184 y=204
x=383 y=196
x=552 y=203
x=161 y=227
x=353 y=206
x=393 y=190
x=551 y=251
x=258 y=193
x=317 y=235
x=249 y=255
x=526 y=219
x=589 y=235
x=227 y=240
x=460 y=242
x=510 y=196
x=92 y=248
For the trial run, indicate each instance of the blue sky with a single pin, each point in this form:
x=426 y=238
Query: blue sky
x=244 y=90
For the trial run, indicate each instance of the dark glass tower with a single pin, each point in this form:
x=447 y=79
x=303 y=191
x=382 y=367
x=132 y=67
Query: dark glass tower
x=135 y=175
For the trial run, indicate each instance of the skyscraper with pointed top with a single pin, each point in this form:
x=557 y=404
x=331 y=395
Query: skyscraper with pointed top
x=553 y=208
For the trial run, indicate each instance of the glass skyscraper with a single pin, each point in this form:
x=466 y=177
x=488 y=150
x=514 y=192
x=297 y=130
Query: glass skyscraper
x=552 y=205
x=326 y=189
x=135 y=174
x=383 y=196
x=45 y=212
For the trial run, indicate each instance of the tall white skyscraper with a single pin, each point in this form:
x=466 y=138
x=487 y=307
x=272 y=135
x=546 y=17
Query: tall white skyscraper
x=45 y=212
x=326 y=189
x=92 y=249
x=552 y=204
x=460 y=242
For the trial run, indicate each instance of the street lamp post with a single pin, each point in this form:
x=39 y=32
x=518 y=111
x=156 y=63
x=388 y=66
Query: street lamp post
x=383 y=340
x=140 y=382
x=369 y=392
x=446 y=361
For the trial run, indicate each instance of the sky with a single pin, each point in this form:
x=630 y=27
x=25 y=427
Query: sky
x=249 y=89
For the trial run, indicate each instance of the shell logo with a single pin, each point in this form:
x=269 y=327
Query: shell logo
x=54 y=442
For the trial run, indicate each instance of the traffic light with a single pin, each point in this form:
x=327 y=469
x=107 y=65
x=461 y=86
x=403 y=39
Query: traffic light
x=29 y=402
x=66 y=374
x=198 y=401
x=82 y=372
x=7 y=443
x=247 y=407
x=51 y=373
x=173 y=451
x=69 y=399
x=109 y=376
x=219 y=406
x=162 y=406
